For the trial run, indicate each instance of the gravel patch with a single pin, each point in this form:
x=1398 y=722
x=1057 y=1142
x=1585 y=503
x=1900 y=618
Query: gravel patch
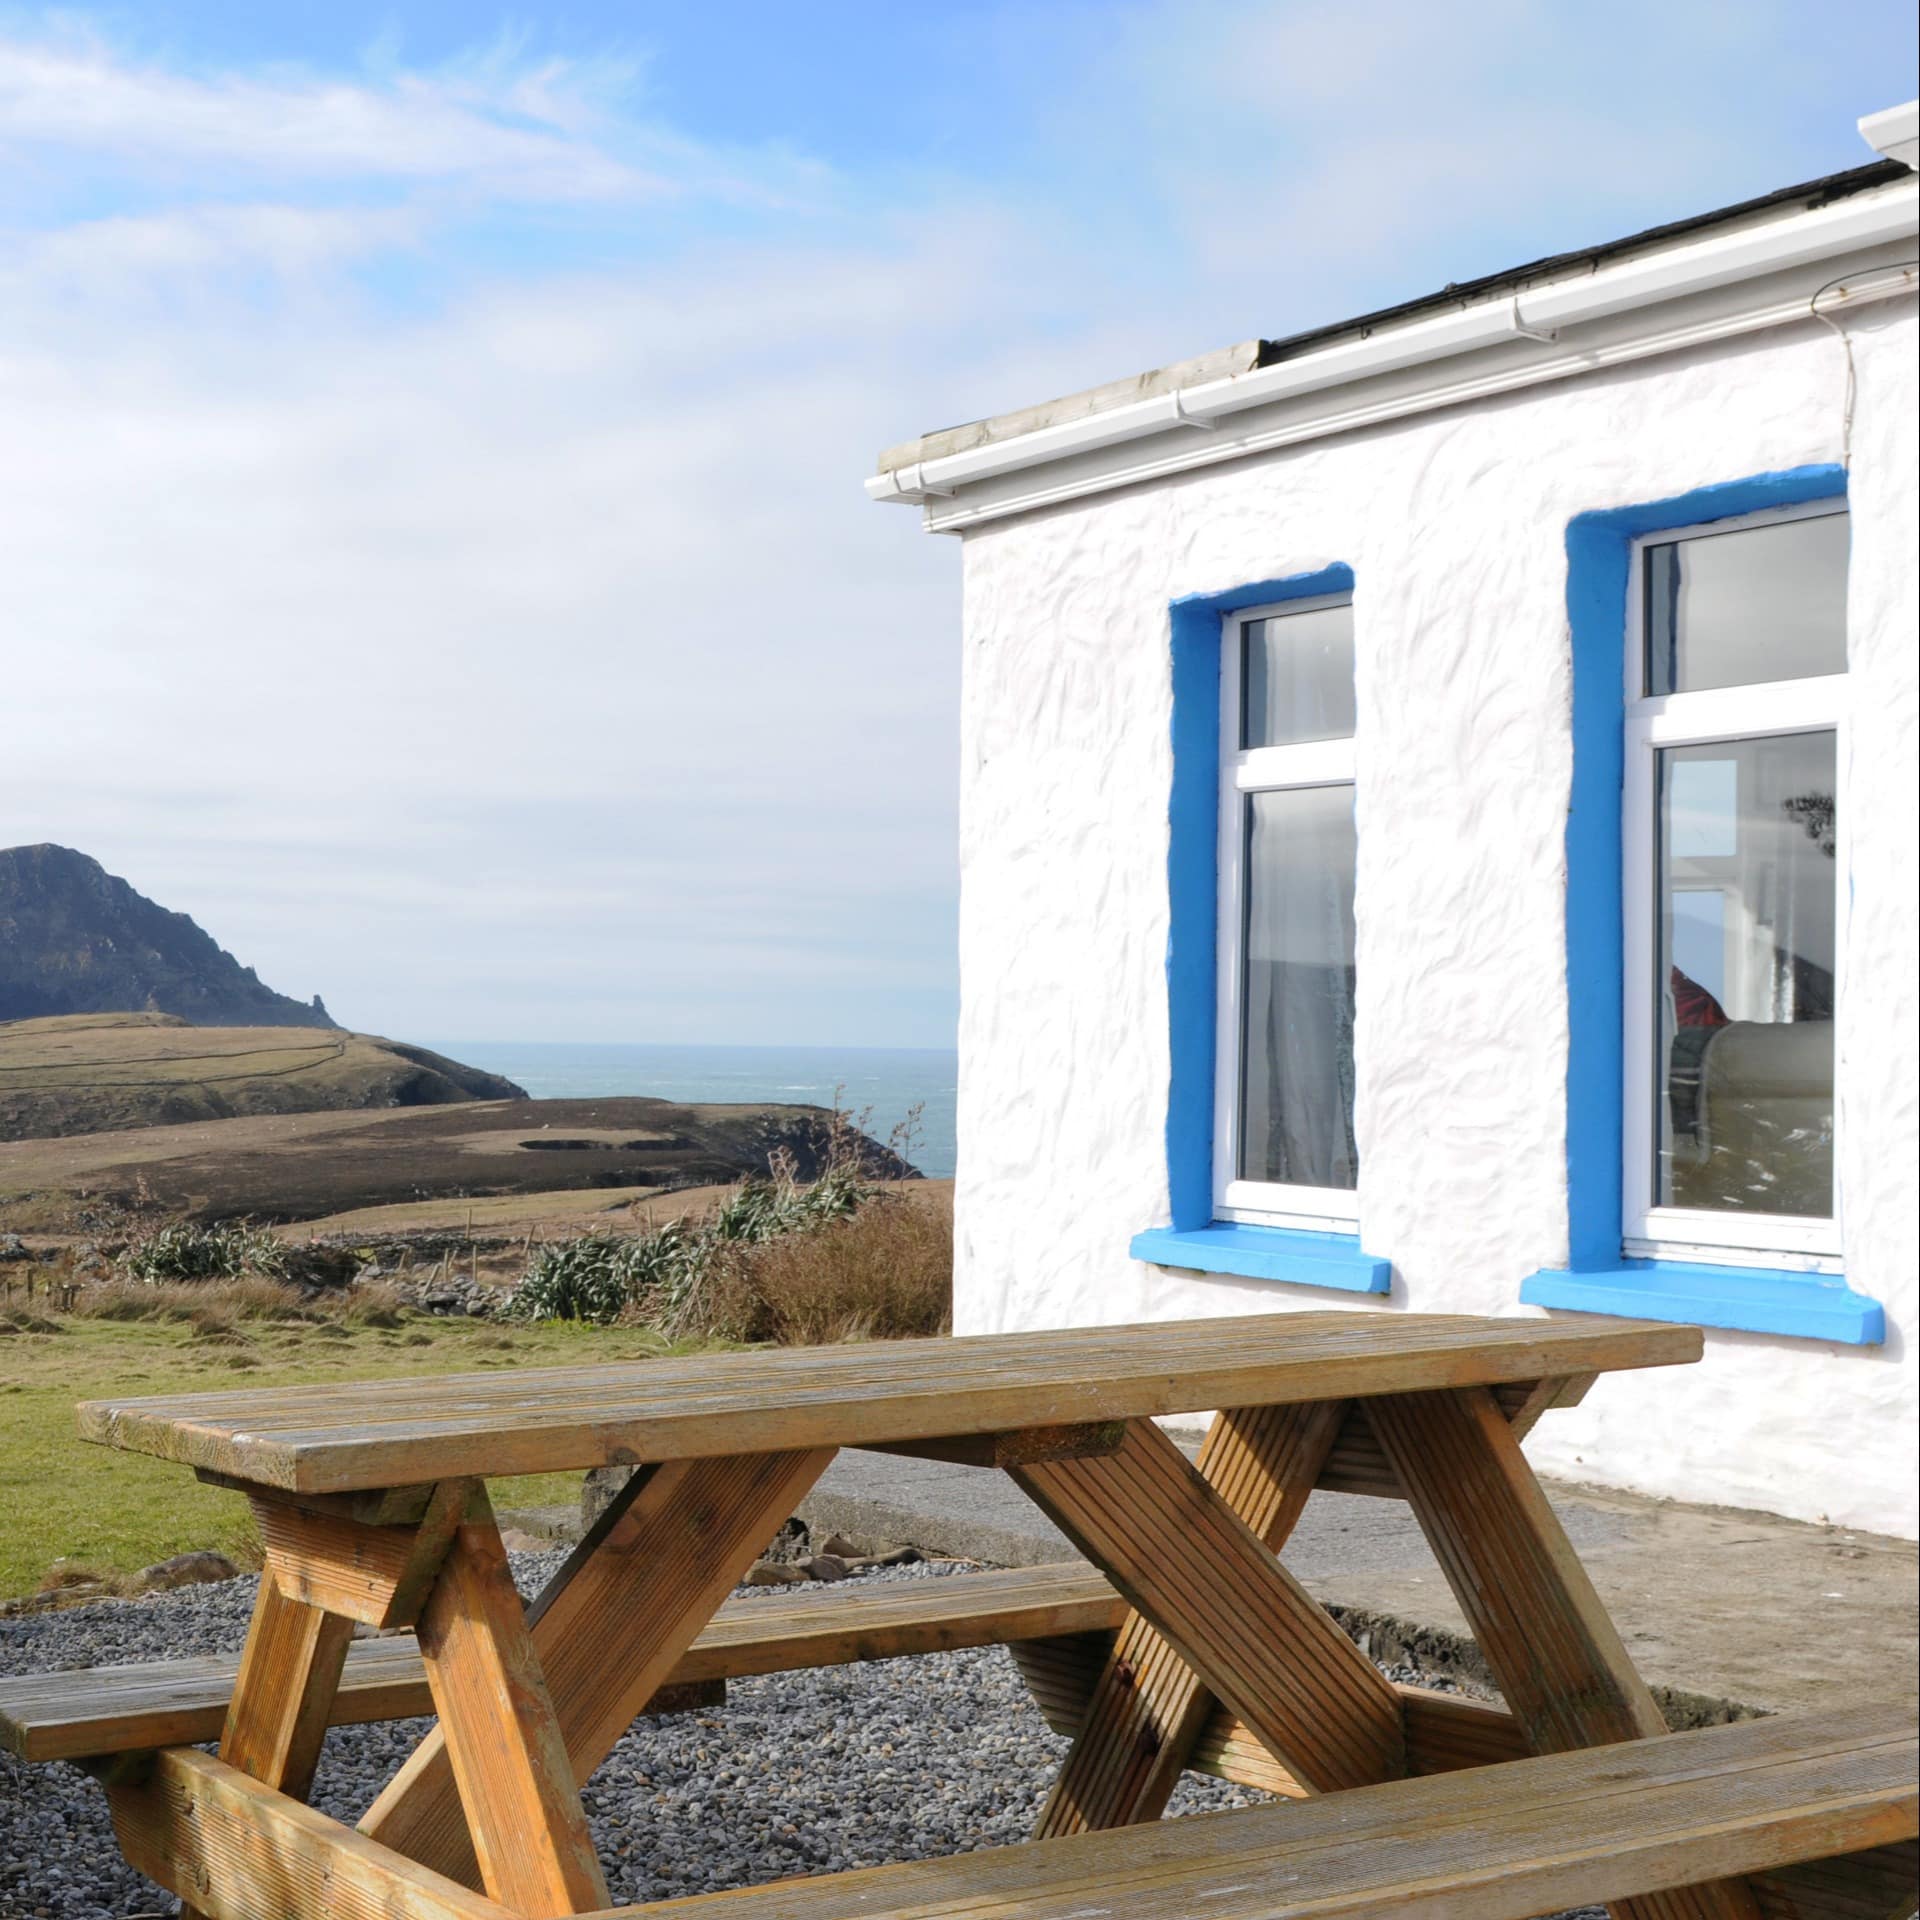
x=798 y=1773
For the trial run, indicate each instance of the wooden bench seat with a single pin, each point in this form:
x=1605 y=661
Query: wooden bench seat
x=1059 y=1619
x=1756 y=1798
x=1494 y=1843
x=103 y=1710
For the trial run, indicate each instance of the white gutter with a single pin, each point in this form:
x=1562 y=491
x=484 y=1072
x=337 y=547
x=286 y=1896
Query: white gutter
x=1529 y=321
x=1895 y=133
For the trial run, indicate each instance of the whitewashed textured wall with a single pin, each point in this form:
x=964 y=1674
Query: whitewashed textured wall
x=1455 y=526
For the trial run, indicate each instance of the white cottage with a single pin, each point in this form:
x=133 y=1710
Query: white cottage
x=1438 y=833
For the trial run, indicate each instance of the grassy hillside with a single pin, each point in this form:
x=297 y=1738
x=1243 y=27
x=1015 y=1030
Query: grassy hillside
x=303 y=1166
x=101 y=1072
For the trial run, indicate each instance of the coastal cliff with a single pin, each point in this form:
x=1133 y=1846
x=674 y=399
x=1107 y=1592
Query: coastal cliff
x=76 y=939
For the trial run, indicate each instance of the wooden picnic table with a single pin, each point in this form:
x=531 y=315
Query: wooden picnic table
x=372 y=1507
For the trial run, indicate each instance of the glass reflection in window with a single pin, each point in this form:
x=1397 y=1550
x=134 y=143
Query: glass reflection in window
x=1747 y=929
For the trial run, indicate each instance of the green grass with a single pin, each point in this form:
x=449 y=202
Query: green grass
x=117 y=1512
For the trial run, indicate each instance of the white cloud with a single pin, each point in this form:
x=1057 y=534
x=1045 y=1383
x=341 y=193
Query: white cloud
x=524 y=664
x=514 y=652
x=1324 y=156
x=116 y=257
x=495 y=125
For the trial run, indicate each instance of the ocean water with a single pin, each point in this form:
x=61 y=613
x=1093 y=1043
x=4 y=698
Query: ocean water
x=885 y=1083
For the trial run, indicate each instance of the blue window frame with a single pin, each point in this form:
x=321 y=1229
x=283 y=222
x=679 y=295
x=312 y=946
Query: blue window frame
x=1599 y=1277
x=1195 y=1239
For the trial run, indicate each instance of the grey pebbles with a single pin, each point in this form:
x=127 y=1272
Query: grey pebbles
x=798 y=1773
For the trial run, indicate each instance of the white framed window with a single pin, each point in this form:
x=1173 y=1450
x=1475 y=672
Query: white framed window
x=1284 y=1150
x=1733 y=865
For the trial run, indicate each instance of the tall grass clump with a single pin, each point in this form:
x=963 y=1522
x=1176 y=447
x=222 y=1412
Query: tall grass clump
x=883 y=1273
x=182 y=1251
x=251 y=1297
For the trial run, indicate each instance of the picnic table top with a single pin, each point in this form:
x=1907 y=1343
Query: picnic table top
x=387 y=1433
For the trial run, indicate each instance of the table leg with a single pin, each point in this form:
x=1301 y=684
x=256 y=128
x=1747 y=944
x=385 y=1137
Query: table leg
x=613 y=1625
x=503 y=1740
x=284 y=1691
x=1251 y=1633
x=282 y=1694
x=1148 y=1706
x=1534 y=1613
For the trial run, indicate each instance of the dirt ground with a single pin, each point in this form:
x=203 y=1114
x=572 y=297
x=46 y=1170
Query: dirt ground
x=303 y=1167
x=546 y=1215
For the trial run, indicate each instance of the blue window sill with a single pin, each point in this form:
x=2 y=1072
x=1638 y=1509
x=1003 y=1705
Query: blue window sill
x=1266 y=1253
x=1812 y=1306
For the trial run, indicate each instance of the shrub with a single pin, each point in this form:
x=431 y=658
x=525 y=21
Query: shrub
x=183 y=1251
x=696 y=1294
x=662 y=1277
x=591 y=1278
x=883 y=1273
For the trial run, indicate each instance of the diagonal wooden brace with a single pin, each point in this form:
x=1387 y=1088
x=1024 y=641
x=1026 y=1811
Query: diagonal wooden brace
x=1539 y=1623
x=1253 y=1635
x=613 y=1625
x=1148 y=1707
x=502 y=1737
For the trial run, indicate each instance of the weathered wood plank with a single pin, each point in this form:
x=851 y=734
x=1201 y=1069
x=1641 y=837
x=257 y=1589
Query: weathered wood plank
x=1356 y=1464
x=1447 y=1732
x=1882 y=1883
x=1077 y=1442
x=1553 y=1651
x=1499 y=1843
x=1524 y=1412
x=502 y=1738
x=376 y=1574
x=1148 y=1706
x=1254 y=1635
x=371 y=1507
x=614 y=1624
x=104 y=1710
x=1444 y=1731
x=236 y=1850
x=532 y=1419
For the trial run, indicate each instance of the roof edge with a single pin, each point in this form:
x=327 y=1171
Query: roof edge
x=1242 y=357
x=1248 y=356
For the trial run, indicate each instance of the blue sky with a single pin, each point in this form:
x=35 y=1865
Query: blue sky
x=431 y=542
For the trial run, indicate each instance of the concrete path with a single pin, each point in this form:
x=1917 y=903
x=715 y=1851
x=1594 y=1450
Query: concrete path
x=1716 y=1606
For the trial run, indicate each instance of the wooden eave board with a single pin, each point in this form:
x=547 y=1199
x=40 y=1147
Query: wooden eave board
x=64 y=1716
x=340 y=1437
x=1499 y=1843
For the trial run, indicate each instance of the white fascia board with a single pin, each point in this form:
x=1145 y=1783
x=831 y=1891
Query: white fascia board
x=1427 y=355
x=1895 y=132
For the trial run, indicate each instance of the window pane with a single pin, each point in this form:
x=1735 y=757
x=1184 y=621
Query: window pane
x=1296 y=678
x=1758 y=604
x=1747 y=942
x=1296 y=1039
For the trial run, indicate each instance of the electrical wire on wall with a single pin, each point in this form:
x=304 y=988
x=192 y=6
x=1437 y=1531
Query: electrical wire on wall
x=1849 y=285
